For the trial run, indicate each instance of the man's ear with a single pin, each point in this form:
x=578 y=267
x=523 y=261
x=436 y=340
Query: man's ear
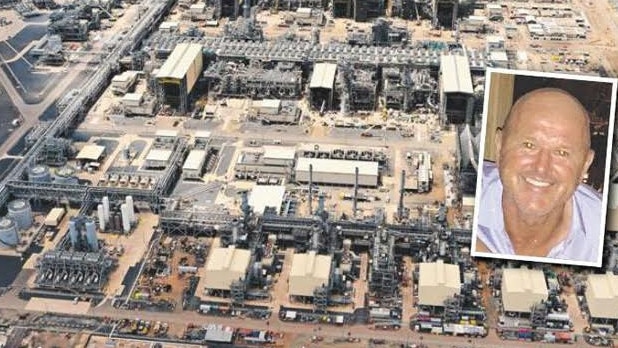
x=498 y=142
x=587 y=163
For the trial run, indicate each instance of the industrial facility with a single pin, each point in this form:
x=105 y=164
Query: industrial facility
x=283 y=160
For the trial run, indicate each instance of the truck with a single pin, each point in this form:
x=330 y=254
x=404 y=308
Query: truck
x=54 y=217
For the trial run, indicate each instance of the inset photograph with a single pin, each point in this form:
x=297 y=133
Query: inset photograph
x=546 y=146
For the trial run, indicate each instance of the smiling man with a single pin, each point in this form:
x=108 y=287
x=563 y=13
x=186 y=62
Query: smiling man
x=533 y=201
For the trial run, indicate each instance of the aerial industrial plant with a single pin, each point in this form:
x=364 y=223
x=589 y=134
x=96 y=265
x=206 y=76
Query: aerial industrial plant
x=275 y=173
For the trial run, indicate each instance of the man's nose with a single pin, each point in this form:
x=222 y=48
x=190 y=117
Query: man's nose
x=542 y=161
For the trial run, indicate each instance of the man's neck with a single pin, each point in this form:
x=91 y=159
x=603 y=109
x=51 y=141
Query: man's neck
x=537 y=235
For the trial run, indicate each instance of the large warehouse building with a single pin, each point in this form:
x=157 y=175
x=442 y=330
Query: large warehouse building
x=522 y=288
x=179 y=74
x=224 y=266
x=337 y=172
x=456 y=91
x=322 y=85
x=309 y=271
x=437 y=282
x=602 y=298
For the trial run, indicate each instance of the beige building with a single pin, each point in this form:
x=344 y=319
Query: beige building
x=308 y=272
x=224 y=266
x=602 y=296
x=522 y=288
x=437 y=282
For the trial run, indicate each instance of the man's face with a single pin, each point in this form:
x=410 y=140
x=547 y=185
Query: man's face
x=542 y=155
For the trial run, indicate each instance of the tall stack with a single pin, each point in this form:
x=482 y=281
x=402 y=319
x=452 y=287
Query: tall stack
x=102 y=217
x=126 y=219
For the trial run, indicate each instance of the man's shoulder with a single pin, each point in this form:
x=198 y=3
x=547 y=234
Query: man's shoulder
x=588 y=196
x=490 y=173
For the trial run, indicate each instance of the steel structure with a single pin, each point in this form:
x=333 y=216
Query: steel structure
x=89 y=92
x=236 y=80
x=304 y=51
x=73 y=271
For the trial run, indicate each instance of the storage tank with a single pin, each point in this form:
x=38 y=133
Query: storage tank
x=101 y=217
x=91 y=235
x=126 y=222
x=65 y=175
x=73 y=232
x=130 y=206
x=8 y=233
x=21 y=212
x=347 y=245
x=105 y=203
x=39 y=173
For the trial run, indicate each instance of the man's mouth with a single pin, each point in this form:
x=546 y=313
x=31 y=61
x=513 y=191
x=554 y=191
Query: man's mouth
x=537 y=183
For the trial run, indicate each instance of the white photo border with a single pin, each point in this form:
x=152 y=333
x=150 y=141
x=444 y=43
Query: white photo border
x=608 y=159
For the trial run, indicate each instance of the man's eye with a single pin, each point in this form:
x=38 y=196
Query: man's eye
x=562 y=153
x=528 y=145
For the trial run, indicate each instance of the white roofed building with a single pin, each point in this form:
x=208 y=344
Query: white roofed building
x=192 y=168
x=91 y=153
x=337 y=172
x=179 y=74
x=158 y=158
x=602 y=298
x=224 y=266
x=279 y=155
x=437 y=282
x=322 y=84
x=456 y=89
x=266 y=196
x=309 y=271
x=522 y=288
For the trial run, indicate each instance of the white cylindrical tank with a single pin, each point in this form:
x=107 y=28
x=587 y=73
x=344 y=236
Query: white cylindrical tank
x=8 y=233
x=442 y=248
x=129 y=201
x=235 y=230
x=126 y=222
x=347 y=245
x=39 y=173
x=21 y=212
x=101 y=216
x=73 y=232
x=106 y=208
x=91 y=235
x=272 y=239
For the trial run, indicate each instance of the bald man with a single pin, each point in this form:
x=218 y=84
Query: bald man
x=533 y=201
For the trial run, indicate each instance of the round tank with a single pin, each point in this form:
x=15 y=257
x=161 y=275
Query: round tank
x=8 y=233
x=39 y=173
x=21 y=212
x=65 y=175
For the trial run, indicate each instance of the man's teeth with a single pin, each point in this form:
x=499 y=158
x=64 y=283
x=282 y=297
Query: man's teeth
x=537 y=183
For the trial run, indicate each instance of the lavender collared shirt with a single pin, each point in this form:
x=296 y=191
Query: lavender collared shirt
x=582 y=242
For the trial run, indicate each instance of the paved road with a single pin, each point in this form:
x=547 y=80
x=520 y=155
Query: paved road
x=30 y=112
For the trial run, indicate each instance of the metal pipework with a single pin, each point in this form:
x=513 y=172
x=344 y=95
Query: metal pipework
x=355 y=191
x=310 y=189
x=402 y=189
